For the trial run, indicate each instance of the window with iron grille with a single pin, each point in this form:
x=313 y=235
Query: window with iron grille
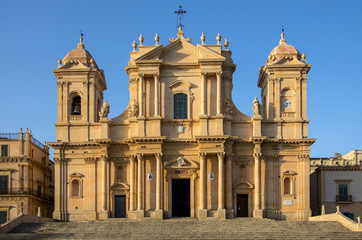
x=4 y=150
x=343 y=192
x=180 y=106
x=4 y=184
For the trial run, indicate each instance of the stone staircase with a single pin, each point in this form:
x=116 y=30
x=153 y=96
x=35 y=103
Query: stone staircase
x=182 y=228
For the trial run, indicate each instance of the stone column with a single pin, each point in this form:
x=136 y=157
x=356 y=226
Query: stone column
x=257 y=154
x=132 y=159
x=104 y=213
x=157 y=90
x=203 y=95
x=20 y=177
x=229 y=186
x=26 y=178
x=159 y=211
x=221 y=208
x=218 y=93
x=202 y=210
x=92 y=113
x=140 y=212
x=140 y=94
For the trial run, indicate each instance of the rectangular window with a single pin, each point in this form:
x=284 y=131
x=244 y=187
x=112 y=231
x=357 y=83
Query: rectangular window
x=39 y=191
x=343 y=192
x=3 y=217
x=4 y=184
x=4 y=150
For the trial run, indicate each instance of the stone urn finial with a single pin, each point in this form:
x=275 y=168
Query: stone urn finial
x=218 y=39
x=157 y=39
x=203 y=38
x=134 y=45
x=226 y=44
x=141 y=39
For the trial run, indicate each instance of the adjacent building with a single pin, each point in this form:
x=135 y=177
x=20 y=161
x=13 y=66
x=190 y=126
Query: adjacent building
x=182 y=148
x=336 y=181
x=26 y=176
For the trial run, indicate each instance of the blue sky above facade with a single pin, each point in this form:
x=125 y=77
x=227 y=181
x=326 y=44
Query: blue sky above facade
x=35 y=34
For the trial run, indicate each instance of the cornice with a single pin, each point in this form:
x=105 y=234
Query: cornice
x=339 y=168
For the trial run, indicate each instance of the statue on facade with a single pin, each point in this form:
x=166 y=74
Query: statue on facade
x=228 y=107
x=133 y=111
x=256 y=107
x=104 y=110
x=181 y=161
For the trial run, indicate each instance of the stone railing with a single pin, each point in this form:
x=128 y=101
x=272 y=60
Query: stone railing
x=339 y=217
x=22 y=218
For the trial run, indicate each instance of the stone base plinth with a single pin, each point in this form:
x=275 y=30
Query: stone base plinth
x=221 y=214
x=202 y=214
x=258 y=213
x=158 y=215
x=303 y=215
x=140 y=214
x=229 y=213
x=103 y=215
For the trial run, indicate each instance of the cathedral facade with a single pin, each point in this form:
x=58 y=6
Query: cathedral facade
x=181 y=148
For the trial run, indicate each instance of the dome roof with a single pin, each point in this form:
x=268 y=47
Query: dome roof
x=80 y=54
x=282 y=50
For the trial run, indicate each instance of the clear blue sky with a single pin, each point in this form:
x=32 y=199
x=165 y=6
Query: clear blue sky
x=35 y=34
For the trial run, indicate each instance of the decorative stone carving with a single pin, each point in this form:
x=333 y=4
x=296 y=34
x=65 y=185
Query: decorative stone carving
x=141 y=38
x=228 y=107
x=133 y=111
x=226 y=44
x=203 y=38
x=256 y=107
x=218 y=39
x=157 y=39
x=104 y=110
x=134 y=45
x=191 y=96
x=181 y=161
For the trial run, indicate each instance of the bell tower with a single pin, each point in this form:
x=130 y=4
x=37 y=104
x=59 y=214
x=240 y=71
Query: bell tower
x=80 y=86
x=283 y=83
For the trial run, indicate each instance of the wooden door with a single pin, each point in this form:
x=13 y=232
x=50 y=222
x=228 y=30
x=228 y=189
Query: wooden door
x=242 y=205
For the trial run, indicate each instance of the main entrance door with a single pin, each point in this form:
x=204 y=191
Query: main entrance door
x=242 y=205
x=181 y=198
x=120 y=211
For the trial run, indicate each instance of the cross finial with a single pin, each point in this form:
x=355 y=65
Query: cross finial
x=180 y=17
x=282 y=36
x=80 y=44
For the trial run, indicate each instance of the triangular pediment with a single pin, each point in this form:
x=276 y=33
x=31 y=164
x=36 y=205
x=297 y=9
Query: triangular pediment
x=205 y=53
x=181 y=162
x=289 y=172
x=152 y=55
x=179 y=51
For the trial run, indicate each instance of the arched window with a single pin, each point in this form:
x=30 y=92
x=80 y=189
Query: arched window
x=287 y=186
x=180 y=106
x=75 y=188
x=76 y=105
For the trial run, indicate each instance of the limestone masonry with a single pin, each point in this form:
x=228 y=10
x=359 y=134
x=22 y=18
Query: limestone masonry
x=181 y=148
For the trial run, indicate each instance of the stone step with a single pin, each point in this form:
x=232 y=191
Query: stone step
x=183 y=228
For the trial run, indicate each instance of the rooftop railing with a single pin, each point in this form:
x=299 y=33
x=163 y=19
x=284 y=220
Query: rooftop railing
x=9 y=135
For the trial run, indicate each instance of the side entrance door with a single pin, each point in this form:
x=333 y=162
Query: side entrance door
x=242 y=205
x=120 y=211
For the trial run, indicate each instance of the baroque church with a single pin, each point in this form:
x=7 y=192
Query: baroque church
x=182 y=148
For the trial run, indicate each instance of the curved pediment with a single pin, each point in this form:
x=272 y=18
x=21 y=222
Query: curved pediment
x=181 y=162
x=244 y=184
x=120 y=186
x=76 y=175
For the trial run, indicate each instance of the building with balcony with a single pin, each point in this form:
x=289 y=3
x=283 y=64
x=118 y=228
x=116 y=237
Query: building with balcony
x=337 y=181
x=26 y=176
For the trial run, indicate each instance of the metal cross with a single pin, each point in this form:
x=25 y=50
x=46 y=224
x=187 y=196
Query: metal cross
x=180 y=17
